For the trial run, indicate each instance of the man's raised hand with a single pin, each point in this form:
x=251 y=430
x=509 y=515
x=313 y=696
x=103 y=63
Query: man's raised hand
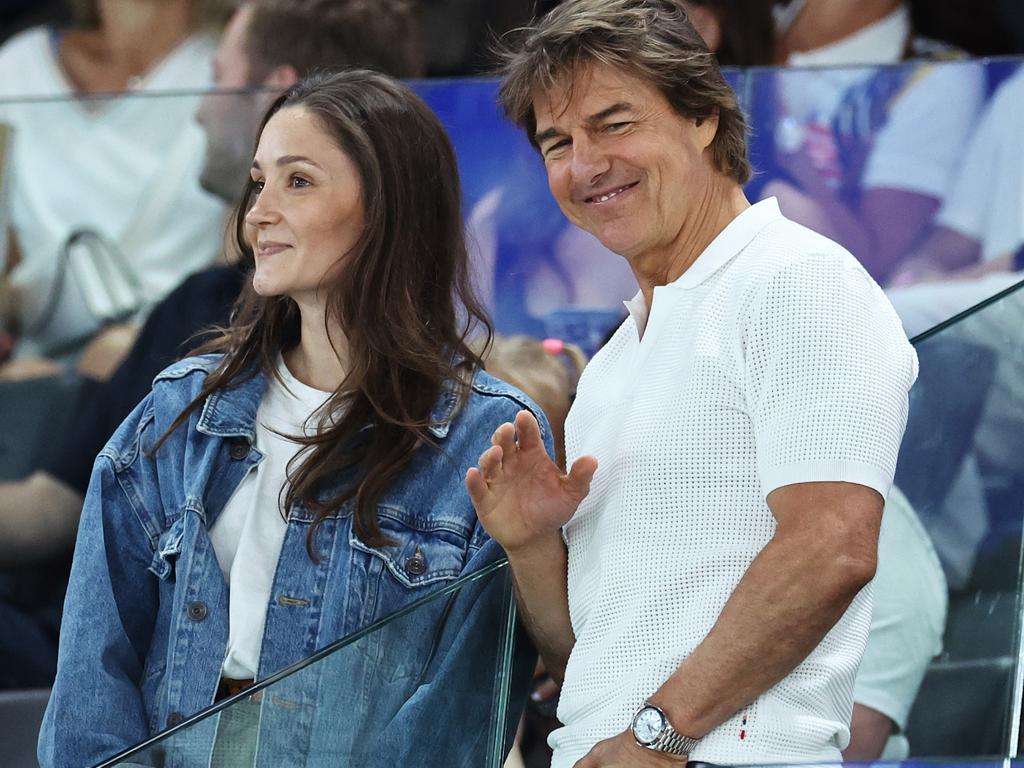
x=520 y=494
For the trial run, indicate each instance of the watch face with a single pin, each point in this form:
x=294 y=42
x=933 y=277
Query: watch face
x=648 y=725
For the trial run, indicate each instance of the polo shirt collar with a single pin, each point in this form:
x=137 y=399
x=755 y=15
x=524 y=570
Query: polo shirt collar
x=727 y=244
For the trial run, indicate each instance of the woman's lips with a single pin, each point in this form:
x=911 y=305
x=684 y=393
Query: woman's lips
x=269 y=249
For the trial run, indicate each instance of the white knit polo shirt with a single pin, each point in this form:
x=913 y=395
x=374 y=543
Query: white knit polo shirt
x=774 y=359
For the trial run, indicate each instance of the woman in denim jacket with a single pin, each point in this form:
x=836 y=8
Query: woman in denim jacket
x=304 y=477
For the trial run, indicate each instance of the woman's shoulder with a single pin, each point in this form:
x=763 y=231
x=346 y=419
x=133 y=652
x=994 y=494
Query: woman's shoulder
x=189 y=367
x=492 y=402
x=491 y=388
x=173 y=388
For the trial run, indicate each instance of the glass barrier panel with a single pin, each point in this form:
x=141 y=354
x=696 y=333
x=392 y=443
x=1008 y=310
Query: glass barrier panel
x=961 y=471
x=439 y=683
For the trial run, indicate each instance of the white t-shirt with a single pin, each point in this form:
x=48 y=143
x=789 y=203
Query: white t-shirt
x=248 y=534
x=774 y=359
x=986 y=202
x=95 y=164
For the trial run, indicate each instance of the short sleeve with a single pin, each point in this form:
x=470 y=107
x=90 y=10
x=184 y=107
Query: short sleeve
x=827 y=371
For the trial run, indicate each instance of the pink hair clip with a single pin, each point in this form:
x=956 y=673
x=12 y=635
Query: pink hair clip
x=553 y=346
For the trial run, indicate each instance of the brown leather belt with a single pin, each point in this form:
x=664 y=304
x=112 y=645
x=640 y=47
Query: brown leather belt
x=229 y=687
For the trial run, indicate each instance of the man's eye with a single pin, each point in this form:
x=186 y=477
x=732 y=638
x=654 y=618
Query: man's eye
x=558 y=145
x=617 y=127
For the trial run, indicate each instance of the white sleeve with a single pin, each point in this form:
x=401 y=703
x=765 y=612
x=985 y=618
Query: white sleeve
x=920 y=146
x=827 y=373
x=966 y=208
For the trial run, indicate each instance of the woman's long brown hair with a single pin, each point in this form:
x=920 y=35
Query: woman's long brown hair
x=403 y=299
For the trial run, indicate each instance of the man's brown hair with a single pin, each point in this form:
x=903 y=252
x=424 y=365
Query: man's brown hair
x=649 y=39
x=382 y=35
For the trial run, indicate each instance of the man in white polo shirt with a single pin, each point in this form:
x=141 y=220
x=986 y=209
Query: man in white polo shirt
x=698 y=576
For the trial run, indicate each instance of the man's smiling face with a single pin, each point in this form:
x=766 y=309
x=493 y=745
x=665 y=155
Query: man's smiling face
x=620 y=162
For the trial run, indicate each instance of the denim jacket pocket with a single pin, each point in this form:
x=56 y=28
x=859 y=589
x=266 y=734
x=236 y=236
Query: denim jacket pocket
x=422 y=551
x=168 y=547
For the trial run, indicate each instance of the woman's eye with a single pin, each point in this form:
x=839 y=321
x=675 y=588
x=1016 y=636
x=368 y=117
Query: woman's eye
x=257 y=185
x=298 y=182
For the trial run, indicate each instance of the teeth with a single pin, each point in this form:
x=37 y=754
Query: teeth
x=609 y=196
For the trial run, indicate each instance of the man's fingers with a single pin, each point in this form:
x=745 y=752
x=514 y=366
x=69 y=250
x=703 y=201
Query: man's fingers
x=528 y=432
x=490 y=463
x=505 y=438
x=580 y=475
x=477 y=487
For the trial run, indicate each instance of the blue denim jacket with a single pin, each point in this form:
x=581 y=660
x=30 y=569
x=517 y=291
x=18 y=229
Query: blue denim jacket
x=146 y=617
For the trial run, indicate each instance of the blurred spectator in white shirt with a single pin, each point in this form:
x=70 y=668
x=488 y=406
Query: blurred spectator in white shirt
x=90 y=152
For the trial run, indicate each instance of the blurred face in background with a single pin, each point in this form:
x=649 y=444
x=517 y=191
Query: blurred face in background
x=230 y=120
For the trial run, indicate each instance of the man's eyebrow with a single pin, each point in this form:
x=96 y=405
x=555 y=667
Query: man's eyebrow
x=614 y=109
x=597 y=117
x=547 y=133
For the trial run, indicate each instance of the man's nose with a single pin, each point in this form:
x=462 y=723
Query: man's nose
x=589 y=161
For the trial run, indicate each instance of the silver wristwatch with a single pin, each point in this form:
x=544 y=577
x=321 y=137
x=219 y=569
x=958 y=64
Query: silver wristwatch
x=652 y=730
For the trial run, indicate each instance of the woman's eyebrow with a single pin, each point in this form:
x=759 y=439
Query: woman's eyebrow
x=288 y=160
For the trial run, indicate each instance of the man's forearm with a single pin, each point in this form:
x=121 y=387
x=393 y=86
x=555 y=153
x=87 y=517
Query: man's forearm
x=540 y=578
x=789 y=598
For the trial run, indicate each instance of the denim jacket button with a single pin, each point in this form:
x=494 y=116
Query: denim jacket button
x=239 y=448
x=417 y=564
x=175 y=718
x=197 y=611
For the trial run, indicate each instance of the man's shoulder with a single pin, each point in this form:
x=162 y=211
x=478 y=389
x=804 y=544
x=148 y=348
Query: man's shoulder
x=793 y=241
x=786 y=247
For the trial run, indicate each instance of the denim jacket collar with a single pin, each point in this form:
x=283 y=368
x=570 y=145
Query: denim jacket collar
x=232 y=412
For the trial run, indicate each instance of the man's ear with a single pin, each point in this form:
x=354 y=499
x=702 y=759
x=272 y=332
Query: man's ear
x=281 y=77
x=707 y=129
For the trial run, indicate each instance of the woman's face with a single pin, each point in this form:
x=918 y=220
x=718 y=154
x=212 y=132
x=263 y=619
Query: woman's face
x=308 y=211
